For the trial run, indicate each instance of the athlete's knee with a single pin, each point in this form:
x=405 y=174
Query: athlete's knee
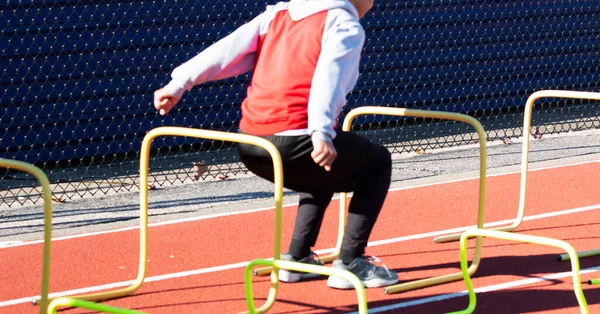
x=384 y=159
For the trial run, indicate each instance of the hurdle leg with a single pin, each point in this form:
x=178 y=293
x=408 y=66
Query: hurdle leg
x=518 y=238
x=525 y=154
x=482 y=182
x=143 y=252
x=47 y=197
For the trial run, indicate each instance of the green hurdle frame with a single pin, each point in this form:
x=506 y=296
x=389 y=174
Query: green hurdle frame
x=276 y=264
x=525 y=154
x=72 y=302
x=366 y=110
x=41 y=177
x=504 y=235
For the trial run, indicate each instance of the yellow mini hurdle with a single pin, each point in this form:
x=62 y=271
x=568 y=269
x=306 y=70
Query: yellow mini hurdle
x=278 y=195
x=390 y=111
x=482 y=185
x=525 y=156
x=518 y=238
x=46 y=304
x=47 y=197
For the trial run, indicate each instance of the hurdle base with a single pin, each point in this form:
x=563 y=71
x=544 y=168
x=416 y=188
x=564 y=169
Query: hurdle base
x=583 y=254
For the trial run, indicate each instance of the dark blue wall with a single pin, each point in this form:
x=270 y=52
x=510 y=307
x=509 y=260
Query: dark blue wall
x=78 y=76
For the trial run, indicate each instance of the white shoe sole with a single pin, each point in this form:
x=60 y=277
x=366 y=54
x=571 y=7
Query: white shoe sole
x=340 y=283
x=289 y=276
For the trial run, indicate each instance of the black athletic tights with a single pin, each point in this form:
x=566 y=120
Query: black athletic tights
x=361 y=167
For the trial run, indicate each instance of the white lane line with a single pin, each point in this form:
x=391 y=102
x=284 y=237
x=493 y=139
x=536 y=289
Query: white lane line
x=488 y=225
x=183 y=220
x=243 y=264
x=496 y=287
x=126 y=283
x=10 y=243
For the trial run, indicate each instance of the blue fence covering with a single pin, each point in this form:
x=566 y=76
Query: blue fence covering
x=78 y=76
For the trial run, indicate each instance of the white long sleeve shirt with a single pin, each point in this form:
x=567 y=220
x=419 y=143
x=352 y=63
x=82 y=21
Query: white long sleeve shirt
x=294 y=78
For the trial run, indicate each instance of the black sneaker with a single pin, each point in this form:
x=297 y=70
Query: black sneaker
x=294 y=276
x=371 y=275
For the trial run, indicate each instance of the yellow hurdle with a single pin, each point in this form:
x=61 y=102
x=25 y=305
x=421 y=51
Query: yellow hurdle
x=47 y=197
x=518 y=238
x=46 y=304
x=525 y=154
x=389 y=111
x=144 y=165
x=222 y=136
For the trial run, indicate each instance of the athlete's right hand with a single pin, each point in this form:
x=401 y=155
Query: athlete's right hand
x=323 y=153
x=164 y=101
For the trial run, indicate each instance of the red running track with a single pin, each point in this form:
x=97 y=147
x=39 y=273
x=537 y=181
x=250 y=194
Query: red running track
x=183 y=256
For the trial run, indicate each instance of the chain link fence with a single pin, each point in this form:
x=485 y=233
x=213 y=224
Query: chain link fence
x=78 y=75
